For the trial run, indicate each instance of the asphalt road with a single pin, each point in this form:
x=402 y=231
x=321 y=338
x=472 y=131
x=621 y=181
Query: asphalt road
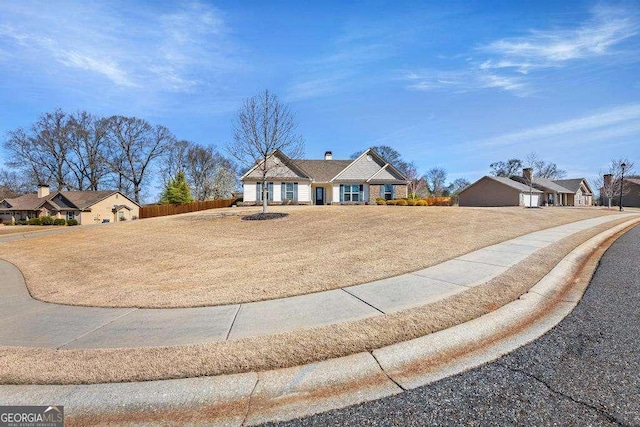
x=585 y=371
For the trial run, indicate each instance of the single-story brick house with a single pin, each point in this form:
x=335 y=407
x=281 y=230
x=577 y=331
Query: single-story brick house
x=324 y=182
x=87 y=207
x=501 y=191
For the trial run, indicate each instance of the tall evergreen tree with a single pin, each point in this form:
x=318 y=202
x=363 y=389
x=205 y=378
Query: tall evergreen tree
x=177 y=191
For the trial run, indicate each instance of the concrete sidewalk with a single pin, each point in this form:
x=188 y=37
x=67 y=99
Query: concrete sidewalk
x=30 y=323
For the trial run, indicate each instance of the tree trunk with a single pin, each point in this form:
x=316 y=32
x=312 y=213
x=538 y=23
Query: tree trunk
x=264 y=196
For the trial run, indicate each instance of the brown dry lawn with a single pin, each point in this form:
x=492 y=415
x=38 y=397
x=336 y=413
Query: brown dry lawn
x=204 y=259
x=7 y=230
x=49 y=366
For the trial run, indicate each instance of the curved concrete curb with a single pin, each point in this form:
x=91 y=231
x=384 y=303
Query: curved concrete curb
x=283 y=394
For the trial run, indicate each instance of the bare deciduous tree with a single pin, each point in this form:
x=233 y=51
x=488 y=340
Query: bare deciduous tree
x=175 y=160
x=264 y=125
x=13 y=184
x=436 y=179
x=86 y=158
x=133 y=145
x=417 y=184
x=43 y=150
x=610 y=188
x=506 y=169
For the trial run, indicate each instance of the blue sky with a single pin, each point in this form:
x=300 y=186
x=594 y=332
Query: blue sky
x=451 y=84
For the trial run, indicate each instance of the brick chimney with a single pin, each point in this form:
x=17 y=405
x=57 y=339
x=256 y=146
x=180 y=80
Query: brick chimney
x=607 y=180
x=43 y=190
x=527 y=174
x=328 y=155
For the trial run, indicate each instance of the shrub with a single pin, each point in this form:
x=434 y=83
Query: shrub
x=381 y=201
x=21 y=222
x=392 y=202
x=72 y=222
x=46 y=220
x=59 y=221
x=411 y=202
x=421 y=202
x=7 y=223
x=402 y=202
x=35 y=221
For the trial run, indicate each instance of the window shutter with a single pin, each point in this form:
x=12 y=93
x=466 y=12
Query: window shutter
x=382 y=191
x=361 y=193
x=270 y=190
x=295 y=191
x=283 y=191
x=393 y=191
x=341 y=192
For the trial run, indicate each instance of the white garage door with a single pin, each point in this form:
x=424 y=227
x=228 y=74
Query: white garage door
x=530 y=200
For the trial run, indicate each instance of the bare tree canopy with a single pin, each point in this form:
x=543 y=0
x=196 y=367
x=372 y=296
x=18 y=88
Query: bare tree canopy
x=609 y=188
x=132 y=146
x=43 y=150
x=12 y=184
x=541 y=168
x=458 y=185
x=506 y=169
x=86 y=160
x=264 y=125
x=436 y=179
x=417 y=184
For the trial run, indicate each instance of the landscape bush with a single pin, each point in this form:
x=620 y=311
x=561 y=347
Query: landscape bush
x=46 y=220
x=401 y=202
x=59 y=221
x=421 y=202
x=71 y=222
x=7 y=223
x=411 y=202
x=392 y=202
x=21 y=222
x=381 y=201
x=35 y=221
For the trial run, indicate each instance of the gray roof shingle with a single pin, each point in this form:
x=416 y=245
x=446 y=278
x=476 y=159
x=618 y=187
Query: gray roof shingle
x=322 y=170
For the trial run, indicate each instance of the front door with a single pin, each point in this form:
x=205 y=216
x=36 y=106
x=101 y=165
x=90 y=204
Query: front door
x=319 y=196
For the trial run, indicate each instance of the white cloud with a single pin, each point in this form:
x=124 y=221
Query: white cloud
x=617 y=122
x=552 y=48
x=180 y=49
x=507 y=64
x=466 y=81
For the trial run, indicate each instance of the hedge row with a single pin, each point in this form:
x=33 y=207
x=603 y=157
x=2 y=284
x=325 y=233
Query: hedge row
x=44 y=220
x=427 y=201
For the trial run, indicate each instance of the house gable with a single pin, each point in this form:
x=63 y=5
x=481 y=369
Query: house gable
x=278 y=166
x=363 y=168
x=387 y=173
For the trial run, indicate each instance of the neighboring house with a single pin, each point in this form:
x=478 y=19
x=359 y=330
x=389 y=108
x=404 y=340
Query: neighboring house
x=581 y=192
x=498 y=191
x=565 y=192
x=87 y=207
x=323 y=182
x=631 y=196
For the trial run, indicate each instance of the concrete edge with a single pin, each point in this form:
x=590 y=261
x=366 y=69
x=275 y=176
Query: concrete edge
x=289 y=393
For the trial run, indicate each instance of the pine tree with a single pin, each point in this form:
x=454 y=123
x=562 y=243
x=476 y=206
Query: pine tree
x=177 y=191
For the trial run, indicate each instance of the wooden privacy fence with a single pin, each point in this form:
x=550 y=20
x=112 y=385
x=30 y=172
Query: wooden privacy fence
x=151 y=211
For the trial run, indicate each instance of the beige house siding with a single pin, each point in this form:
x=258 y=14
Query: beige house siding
x=487 y=192
x=104 y=210
x=365 y=166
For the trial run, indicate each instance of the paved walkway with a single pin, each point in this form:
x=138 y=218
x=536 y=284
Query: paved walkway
x=30 y=323
x=582 y=372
